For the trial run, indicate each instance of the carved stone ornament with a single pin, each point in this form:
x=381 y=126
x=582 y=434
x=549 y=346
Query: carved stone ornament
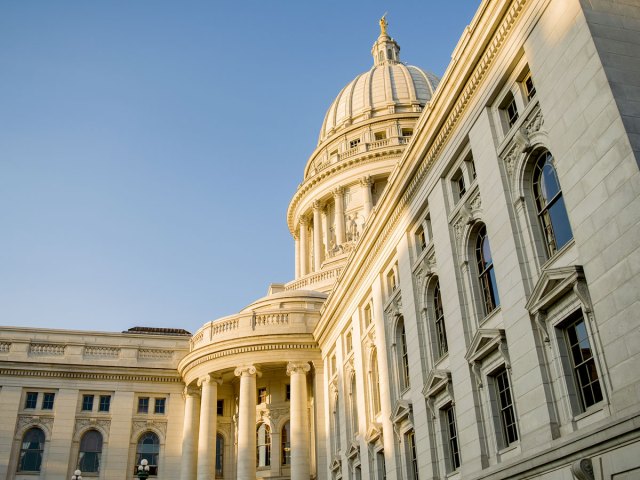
x=190 y=391
x=583 y=469
x=247 y=371
x=141 y=425
x=34 y=421
x=298 y=367
x=209 y=378
x=81 y=423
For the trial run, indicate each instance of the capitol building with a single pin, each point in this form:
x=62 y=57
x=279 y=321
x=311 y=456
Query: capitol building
x=466 y=295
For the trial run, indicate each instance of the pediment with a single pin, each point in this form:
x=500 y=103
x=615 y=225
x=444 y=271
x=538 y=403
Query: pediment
x=401 y=411
x=553 y=284
x=353 y=451
x=374 y=433
x=336 y=465
x=484 y=342
x=437 y=381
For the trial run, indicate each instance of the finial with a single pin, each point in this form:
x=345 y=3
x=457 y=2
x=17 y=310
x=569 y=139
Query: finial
x=383 y=24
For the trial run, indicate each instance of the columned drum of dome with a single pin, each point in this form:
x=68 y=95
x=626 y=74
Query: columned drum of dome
x=364 y=133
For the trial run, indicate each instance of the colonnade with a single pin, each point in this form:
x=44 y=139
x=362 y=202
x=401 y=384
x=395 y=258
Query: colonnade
x=200 y=425
x=320 y=244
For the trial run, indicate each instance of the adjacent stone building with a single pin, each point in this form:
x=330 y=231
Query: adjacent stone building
x=465 y=301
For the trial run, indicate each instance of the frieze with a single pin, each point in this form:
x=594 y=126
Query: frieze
x=46 y=349
x=141 y=425
x=154 y=354
x=34 y=420
x=81 y=423
x=91 y=376
x=101 y=351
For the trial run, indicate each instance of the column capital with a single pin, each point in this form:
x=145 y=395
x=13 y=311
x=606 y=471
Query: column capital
x=190 y=391
x=302 y=220
x=247 y=371
x=338 y=191
x=317 y=205
x=209 y=378
x=366 y=181
x=298 y=367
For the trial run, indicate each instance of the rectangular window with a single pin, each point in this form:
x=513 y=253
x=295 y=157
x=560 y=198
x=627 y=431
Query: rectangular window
x=407 y=132
x=354 y=143
x=367 y=315
x=220 y=408
x=511 y=111
x=506 y=411
x=87 y=403
x=287 y=392
x=413 y=456
x=47 y=401
x=348 y=342
x=459 y=187
x=380 y=135
x=452 y=438
x=159 y=405
x=381 y=466
x=583 y=362
x=105 y=403
x=529 y=87
x=143 y=405
x=32 y=400
x=262 y=395
x=392 y=281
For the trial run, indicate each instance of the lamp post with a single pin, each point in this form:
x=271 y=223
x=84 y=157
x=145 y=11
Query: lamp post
x=143 y=469
x=77 y=475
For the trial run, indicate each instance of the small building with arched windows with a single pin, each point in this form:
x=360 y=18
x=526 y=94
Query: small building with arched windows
x=467 y=277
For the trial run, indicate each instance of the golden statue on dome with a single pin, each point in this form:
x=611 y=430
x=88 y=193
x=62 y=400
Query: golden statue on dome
x=383 y=25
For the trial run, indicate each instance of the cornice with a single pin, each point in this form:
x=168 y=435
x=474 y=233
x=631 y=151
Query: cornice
x=430 y=138
x=169 y=377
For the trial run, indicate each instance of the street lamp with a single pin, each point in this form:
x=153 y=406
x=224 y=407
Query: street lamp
x=77 y=475
x=143 y=469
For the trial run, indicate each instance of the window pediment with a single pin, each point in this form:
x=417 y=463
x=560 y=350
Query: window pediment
x=374 y=433
x=402 y=411
x=484 y=342
x=353 y=451
x=553 y=284
x=336 y=465
x=437 y=381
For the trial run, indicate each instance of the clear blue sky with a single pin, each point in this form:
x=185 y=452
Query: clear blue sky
x=149 y=149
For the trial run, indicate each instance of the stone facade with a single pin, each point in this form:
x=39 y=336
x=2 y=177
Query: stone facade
x=467 y=267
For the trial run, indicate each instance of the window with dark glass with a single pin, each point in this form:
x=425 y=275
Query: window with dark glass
x=421 y=240
x=31 y=401
x=486 y=273
x=219 y=455
x=287 y=392
x=354 y=143
x=263 y=445
x=452 y=438
x=506 y=411
x=407 y=132
x=413 y=456
x=90 y=452
x=47 y=400
x=511 y=111
x=87 y=403
x=381 y=465
x=105 y=403
x=403 y=356
x=285 y=438
x=552 y=213
x=583 y=362
x=148 y=448
x=459 y=186
x=31 y=450
x=159 y=405
x=380 y=135
x=143 y=405
x=440 y=331
x=220 y=407
x=529 y=87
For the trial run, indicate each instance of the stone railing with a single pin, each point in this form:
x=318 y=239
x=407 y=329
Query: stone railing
x=101 y=351
x=269 y=319
x=378 y=144
x=313 y=279
x=5 y=347
x=154 y=354
x=46 y=349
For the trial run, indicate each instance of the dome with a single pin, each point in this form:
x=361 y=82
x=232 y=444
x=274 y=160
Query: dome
x=389 y=87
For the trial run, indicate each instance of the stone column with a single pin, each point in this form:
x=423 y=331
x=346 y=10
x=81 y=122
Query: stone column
x=368 y=199
x=208 y=427
x=246 y=468
x=303 y=257
x=297 y=255
x=338 y=197
x=326 y=228
x=189 y=434
x=317 y=236
x=299 y=420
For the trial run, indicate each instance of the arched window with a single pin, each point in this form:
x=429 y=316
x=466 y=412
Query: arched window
x=439 y=327
x=403 y=355
x=148 y=449
x=31 y=450
x=486 y=273
x=353 y=405
x=90 y=452
x=219 y=455
x=263 y=442
x=285 y=437
x=551 y=211
x=374 y=384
